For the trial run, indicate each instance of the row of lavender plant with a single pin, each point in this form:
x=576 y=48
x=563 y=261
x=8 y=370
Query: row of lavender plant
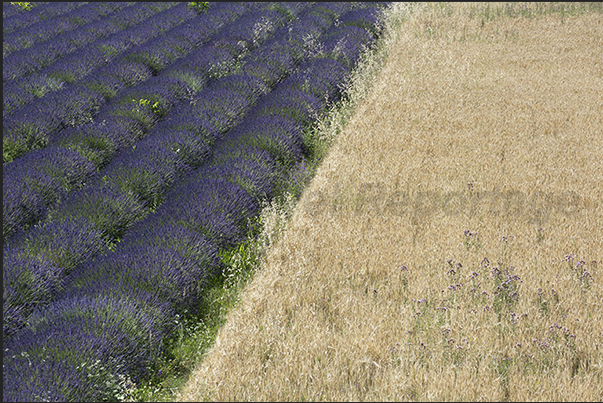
x=30 y=60
x=159 y=261
x=128 y=28
x=45 y=30
x=29 y=183
x=145 y=171
x=22 y=20
x=88 y=62
x=44 y=54
x=35 y=125
x=37 y=180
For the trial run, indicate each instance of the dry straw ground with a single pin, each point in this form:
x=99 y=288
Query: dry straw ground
x=450 y=246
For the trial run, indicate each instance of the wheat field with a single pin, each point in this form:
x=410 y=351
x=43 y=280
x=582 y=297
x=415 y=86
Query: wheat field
x=450 y=244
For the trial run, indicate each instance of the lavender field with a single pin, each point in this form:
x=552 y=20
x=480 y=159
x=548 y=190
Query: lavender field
x=140 y=141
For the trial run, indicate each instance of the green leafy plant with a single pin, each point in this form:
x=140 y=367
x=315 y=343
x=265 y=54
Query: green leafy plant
x=146 y=103
x=199 y=6
x=26 y=6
